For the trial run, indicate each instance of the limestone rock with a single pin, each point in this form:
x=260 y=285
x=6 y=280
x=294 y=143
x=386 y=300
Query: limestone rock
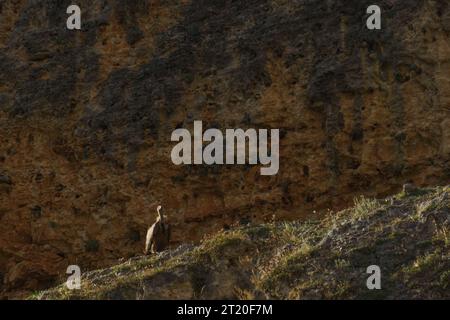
x=86 y=116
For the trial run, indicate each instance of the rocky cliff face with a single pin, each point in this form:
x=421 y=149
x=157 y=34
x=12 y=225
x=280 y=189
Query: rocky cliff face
x=86 y=117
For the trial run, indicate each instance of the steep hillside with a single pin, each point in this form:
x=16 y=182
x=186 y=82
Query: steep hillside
x=407 y=236
x=86 y=118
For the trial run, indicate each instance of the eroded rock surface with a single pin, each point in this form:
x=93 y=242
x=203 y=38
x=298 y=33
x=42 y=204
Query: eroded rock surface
x=86 y=118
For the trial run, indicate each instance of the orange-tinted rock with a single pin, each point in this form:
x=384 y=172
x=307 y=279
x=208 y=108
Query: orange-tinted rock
x=86 y=118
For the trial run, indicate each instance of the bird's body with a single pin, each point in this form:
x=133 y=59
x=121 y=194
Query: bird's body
x=158 y=235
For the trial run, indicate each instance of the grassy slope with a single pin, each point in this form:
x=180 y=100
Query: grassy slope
x=407 y=235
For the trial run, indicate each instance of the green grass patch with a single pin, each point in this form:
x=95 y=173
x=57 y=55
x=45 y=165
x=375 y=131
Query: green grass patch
x=364 y=206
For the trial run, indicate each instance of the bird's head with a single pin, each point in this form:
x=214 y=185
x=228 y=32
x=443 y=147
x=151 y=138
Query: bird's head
x=158 y=209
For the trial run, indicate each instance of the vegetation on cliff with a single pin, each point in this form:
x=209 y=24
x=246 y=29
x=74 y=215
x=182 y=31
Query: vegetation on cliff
x=406 y=235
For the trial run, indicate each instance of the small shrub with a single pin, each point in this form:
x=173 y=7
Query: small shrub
x=341 y=263
x=364 y=206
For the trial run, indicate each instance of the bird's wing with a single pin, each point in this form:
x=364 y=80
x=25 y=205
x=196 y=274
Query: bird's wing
x=149 y=238
x=169 y=230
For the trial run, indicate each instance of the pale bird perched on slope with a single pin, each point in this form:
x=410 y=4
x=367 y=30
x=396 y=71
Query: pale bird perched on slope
x=158 y=235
